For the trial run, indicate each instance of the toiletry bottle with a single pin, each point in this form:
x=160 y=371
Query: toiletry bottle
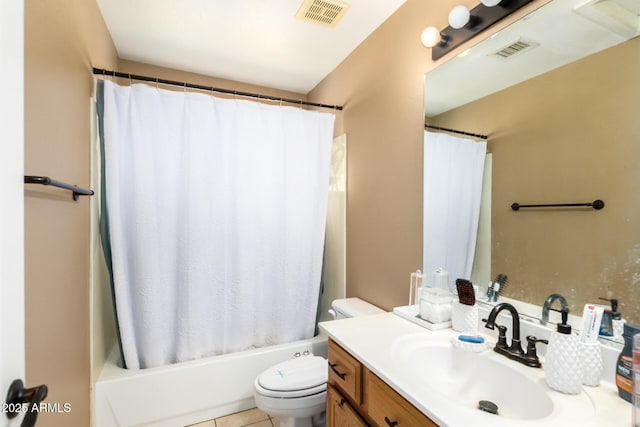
x=617 y=322
x=562 y=362
x=612 y=321
x=624 y=368
x=636 y=384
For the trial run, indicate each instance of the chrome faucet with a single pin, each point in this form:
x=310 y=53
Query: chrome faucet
x=514 y=351
x=547 y=304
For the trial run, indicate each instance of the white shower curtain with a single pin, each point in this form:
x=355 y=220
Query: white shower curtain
x=453 y=170
x=216 y=212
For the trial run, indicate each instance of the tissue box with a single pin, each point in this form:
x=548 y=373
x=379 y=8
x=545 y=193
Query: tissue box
x=435 y=305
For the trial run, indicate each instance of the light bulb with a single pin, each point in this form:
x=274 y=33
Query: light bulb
x=491 y=3
x=459 y=16
x=430 y=37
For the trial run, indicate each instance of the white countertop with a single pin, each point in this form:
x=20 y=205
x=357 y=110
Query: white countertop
x=374 y=341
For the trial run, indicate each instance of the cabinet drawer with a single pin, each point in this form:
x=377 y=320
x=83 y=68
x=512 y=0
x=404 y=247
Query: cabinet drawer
x=387 y=408
x=345 y=372
x=339 y=411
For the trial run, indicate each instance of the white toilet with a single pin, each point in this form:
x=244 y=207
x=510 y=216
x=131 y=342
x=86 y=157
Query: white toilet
x=295 y=390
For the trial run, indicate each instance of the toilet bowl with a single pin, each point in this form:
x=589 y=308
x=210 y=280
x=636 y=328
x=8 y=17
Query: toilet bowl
x=295 y=391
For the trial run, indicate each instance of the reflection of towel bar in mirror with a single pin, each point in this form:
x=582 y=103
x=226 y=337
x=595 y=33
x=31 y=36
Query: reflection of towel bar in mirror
x=45 y=180
x=596 y=204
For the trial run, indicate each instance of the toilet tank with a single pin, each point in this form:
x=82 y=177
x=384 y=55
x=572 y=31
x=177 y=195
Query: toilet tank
x=352 y=307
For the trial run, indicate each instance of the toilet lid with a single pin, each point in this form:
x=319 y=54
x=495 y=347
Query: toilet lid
x=296 y=374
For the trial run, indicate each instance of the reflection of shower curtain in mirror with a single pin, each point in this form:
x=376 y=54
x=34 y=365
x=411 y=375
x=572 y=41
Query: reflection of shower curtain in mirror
x=453 y=170
x=216 y=213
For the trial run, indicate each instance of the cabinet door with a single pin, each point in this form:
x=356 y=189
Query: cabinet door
x=345 y=372
x=388 y=408
x=339 y=412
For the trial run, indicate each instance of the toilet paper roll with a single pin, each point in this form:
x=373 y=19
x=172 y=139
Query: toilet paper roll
x=441 y=279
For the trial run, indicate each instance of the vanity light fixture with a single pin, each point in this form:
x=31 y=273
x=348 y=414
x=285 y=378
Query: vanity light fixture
x=459 y=17
x=465 y=24
x=431 y=36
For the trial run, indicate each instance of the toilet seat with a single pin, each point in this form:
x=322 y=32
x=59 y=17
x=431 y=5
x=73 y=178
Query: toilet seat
x=295 y=378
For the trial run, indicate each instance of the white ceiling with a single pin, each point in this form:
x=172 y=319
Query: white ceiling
x=253 y=41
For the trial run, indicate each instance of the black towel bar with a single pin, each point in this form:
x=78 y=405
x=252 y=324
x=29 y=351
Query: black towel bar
x=596 y=204
x=45 y=180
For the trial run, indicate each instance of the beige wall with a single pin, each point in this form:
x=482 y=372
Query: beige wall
x=63 y=39
x=381 y=87
x=567 y=136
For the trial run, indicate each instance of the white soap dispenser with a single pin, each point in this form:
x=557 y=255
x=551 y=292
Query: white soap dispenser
x=562 y=361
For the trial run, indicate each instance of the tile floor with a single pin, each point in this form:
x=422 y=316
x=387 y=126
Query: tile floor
x=251 y=418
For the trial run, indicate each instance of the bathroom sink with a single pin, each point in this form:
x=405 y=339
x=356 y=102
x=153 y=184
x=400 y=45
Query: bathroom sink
x=466 y=378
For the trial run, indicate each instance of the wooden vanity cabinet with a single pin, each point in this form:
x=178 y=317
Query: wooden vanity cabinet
x=340 y=412
x=357 y=397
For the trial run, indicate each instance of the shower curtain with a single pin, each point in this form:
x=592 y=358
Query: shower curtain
x=453 y=171
x=214 y=221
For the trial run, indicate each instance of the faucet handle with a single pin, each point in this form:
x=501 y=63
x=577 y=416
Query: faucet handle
x=531 y=347
x=531 y=358
x=502 y=336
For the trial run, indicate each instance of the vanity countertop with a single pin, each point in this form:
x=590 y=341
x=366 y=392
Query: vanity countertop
x=375 y=340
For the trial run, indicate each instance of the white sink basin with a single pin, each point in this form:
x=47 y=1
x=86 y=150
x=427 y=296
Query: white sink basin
x=467 y=378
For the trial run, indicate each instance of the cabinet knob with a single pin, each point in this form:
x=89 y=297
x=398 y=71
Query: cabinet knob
x=390 y=423
x=338 y=373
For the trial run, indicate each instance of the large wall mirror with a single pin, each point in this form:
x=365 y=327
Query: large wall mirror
x=558 y=94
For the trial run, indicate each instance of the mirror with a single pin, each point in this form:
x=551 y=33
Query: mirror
x=558 y=95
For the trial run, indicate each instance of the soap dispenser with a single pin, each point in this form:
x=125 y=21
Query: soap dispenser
x=562 y=361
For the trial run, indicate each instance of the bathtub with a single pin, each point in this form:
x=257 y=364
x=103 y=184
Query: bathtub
x=189 y=392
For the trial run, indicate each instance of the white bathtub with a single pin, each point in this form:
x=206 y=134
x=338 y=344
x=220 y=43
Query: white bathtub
x=189 y=392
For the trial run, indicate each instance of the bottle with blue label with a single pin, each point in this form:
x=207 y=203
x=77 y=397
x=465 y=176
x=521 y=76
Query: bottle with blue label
x=624 y=368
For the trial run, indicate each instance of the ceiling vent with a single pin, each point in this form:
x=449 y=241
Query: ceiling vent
x=514 y=49
x=323 y=12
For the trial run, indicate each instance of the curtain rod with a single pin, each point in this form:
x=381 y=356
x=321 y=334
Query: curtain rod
x=456 y=131
x=108 y=73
